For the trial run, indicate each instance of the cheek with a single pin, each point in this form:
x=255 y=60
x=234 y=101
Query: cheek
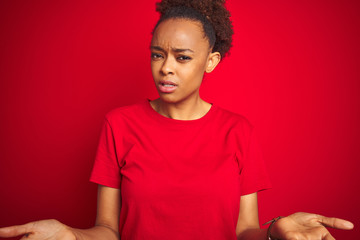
x=154 y=67
x=197 y=71
x=193 y=76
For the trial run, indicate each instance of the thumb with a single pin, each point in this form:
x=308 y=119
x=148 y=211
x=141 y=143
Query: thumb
x=335 y=222
x=17 y=230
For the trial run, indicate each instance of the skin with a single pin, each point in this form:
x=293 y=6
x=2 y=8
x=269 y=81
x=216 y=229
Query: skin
x=180 y=53
x=184 y=104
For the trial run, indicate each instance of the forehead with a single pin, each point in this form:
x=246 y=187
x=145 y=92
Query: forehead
x=180 y=33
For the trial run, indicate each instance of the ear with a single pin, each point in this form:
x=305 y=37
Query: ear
x=213 y=61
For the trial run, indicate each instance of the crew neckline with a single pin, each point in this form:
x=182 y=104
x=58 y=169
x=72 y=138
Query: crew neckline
x=162 y=118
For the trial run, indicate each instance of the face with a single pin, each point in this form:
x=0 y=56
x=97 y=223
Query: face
x=180 y=54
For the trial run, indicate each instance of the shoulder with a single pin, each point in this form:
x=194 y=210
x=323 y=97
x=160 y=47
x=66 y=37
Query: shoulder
x=236 y=120
x=125 y=113
x=239 y=130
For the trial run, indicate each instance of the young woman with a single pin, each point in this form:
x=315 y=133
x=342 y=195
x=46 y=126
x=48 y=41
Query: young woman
x=178 y=167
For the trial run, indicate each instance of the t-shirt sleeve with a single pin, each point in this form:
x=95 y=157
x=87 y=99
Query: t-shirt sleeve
x=106 y=168
x=253 y=174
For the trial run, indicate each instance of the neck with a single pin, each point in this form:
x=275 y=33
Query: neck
x=185 y=110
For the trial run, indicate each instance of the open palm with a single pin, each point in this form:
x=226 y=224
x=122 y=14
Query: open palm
x=308 y=226
x=39 y=230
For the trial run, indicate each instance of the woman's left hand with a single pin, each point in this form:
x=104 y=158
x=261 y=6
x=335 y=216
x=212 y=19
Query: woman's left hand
x=307 y=226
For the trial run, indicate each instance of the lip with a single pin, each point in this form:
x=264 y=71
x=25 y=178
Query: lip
x=167 y=89
x=167 y=82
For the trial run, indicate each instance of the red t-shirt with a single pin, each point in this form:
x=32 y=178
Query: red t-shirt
x=179 y=179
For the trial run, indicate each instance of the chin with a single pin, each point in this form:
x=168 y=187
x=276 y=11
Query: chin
x=169 y=98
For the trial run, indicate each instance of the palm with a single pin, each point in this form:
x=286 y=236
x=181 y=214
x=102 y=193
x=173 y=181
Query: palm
x=39 y=230
x=307 y=226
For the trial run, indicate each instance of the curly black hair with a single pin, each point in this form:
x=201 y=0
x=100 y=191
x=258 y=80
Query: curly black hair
x=212 y=14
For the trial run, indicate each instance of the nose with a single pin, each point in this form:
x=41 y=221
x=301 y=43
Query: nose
x=168 y=66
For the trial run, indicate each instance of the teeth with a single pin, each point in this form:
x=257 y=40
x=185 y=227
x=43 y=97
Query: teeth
x=168 y=85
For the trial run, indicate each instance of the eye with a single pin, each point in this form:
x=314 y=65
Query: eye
x=184 y=58
x=156 y=56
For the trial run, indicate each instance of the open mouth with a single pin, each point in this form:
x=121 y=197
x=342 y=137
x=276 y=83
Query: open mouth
x=167 y=87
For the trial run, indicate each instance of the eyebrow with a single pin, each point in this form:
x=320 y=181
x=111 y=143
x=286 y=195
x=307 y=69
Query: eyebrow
x=177 y=50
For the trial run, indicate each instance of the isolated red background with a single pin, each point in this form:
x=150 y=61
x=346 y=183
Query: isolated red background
x=293 y=71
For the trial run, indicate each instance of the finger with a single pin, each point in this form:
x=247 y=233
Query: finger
x=14 y=231
x=335 y=222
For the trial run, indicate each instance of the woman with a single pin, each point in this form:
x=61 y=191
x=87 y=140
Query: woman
x=184 y=164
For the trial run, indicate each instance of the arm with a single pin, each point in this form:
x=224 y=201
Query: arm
x=106 y=226
x=107 y=220
x=248 y=222
x=295 y=226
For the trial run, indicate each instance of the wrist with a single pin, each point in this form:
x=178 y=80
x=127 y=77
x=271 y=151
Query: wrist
x=272 y=229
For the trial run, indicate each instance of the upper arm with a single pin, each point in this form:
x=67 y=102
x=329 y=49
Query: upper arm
x=108 y=207
x=248 y=213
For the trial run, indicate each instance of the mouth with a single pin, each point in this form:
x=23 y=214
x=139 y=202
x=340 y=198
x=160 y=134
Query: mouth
x=167 y=86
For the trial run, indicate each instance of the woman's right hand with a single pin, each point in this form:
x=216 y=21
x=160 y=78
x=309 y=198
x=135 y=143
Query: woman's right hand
x=39 y=230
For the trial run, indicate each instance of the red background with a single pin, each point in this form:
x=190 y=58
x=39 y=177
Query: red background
x=293 y=71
